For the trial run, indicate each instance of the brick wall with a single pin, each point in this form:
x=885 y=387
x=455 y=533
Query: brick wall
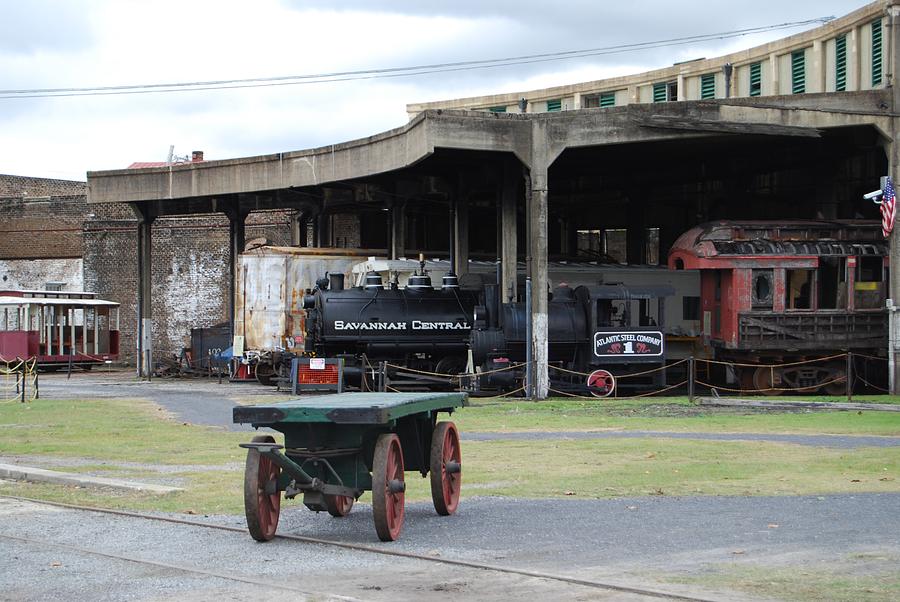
x=22 y=186
x=190 y=269
x=48 y=232
x=42 y=227
x=35 y=274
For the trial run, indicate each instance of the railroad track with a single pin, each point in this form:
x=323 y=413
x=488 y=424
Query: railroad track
x=587 y=583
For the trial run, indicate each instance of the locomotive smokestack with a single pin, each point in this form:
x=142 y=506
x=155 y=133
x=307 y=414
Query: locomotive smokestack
x=336 y=282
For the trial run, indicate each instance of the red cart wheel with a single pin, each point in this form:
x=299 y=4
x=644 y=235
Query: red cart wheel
x=388 y=487
x=446 y=468
x=262 y=500
x=338 y=505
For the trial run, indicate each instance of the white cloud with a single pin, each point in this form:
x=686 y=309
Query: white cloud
x=100 y=42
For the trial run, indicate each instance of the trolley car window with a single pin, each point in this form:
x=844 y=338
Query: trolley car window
x=762 y=288
x=797 y=291
x=870 y=269
x=831 y=287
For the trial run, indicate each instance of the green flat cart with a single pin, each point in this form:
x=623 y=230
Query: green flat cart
x=336 y=447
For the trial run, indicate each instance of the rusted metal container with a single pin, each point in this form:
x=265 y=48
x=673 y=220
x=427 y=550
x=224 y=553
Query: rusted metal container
x=271 y=282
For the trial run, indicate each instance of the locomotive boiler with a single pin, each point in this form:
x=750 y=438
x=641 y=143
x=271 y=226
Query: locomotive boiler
x=418 y=326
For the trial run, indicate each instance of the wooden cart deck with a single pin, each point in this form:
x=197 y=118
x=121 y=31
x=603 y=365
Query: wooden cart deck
x=349 y=408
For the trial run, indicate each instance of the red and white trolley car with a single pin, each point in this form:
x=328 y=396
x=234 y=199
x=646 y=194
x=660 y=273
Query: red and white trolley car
x=58 y=328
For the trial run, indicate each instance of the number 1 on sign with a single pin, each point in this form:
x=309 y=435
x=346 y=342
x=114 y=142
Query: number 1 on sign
x=629 y=347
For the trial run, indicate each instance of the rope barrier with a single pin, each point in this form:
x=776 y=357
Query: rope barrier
x=870 y=357
x=839 y=379
x=617 y=397
x=16 y=373
x=837 y=376
x=873 y=385
x=619 y=377
x=800 y=363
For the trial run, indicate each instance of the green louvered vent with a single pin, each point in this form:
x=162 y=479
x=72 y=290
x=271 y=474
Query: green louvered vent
x=659 y=92
x=554 y=105
x=755 y=79
x=497 y=109
x=607 y=99
x=840 y=64
x=798 y=72
x=708 y=85
x=876 y=53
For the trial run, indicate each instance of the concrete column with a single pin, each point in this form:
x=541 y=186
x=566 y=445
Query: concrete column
x=236 y=237
x=461 y=222
x=816 y=62
x=636 y=232
x=144 y=339
x=893 y=55
x=323 y=230
x=774 y=77
x=398 y=231
x=537 y=263
x=508 y=232
x=298 y=230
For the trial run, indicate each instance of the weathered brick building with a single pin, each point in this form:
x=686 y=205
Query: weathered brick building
x=40 y=232
x=50 y=237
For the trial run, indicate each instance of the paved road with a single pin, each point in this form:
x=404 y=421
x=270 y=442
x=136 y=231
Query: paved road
x=205 y=401
x=626 y=541
x=193 y=400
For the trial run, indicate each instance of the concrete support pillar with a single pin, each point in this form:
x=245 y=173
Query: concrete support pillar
x=636 y=233
x=892 y=37
x=461 y=227
x=537 y=269
x=323 y=230
x=298 y=230
x=508 y=232
x=397 y=242
x=236 y=237
x=144 y=338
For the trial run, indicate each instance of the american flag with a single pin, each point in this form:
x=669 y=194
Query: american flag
x=888 y=208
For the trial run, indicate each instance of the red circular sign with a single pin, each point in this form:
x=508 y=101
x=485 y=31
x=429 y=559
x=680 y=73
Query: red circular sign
x=601 y=383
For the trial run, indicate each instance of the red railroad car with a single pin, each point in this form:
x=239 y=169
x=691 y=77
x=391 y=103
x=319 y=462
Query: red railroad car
x=781 y=292
x=58 y=327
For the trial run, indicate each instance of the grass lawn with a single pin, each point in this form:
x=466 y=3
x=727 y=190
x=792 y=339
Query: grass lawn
x=666 y=414
x=136 y=440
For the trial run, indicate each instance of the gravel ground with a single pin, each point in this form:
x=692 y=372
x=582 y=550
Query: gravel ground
x=623 y=541
x=626 y=541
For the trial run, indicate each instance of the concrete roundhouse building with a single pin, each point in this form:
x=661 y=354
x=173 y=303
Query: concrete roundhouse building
x=799 y=128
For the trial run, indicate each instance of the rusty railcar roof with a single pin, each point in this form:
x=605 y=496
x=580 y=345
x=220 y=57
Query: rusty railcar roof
x=797 y=238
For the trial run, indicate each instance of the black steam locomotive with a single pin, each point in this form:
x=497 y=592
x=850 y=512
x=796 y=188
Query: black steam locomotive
x=428 y=330
x=418 y=327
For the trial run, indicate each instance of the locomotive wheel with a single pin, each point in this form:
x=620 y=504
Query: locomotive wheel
x=388 y=487
x=262 y=500
x=838 y=375
x=338 y=505
x=446 y=469
x=265 y=373
x=762 y=381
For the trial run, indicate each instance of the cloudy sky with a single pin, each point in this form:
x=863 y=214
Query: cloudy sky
x=49 y=44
